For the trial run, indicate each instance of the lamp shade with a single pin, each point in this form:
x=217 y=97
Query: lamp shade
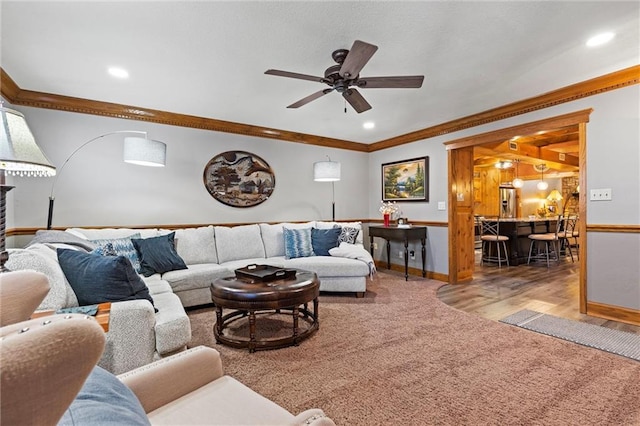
x=554 y=195
x=144 y=152
x=326 y=171
x=19 y=153
x=517 y=183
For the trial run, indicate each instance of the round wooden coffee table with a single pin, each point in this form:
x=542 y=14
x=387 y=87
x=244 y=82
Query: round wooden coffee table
x=246 y=298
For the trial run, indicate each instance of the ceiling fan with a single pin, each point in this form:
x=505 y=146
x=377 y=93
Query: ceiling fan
x=345 y=77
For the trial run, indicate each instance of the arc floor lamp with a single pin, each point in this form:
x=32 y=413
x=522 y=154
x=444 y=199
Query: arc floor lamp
x=137 y=150
x=20 y=155
x=328 y=171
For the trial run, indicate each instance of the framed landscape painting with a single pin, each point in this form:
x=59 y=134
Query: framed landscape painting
x=406 y=180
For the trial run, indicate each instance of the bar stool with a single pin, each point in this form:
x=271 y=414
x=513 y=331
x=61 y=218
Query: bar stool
x=549 y=239
x=568 y=231
x=490 y=235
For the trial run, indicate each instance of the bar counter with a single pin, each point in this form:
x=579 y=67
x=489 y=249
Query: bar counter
x=518 y=231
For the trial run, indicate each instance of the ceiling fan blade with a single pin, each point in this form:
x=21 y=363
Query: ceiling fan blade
x=357 y=58
x=356 y=100
x=294 y=75
x=397 y=82
x=310 y=98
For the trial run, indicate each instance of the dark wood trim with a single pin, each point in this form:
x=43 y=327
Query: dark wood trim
x=382 y=265
x=632 y=229
x=556 y=122
x=615 y=80
x=416 y=223
x=17 y=96
x=12 y=232
x=615 y=313
x=582 y=211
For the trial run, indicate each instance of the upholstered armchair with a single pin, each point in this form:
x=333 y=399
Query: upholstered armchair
x=49 y=375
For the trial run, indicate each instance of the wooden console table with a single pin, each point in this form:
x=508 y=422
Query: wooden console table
x=393 y=233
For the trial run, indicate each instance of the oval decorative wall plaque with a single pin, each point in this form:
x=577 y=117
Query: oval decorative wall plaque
x=239 y=179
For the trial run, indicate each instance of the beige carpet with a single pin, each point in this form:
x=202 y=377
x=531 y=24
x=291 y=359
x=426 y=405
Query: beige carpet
x=400 y=356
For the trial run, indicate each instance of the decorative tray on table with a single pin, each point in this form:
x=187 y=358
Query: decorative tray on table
x=265 y=273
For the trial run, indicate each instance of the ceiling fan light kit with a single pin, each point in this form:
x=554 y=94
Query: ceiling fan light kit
x=345 y=77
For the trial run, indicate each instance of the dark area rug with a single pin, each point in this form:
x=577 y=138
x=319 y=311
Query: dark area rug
x=400 y=356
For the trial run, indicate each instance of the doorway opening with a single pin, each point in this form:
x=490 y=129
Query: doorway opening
x=461 y=186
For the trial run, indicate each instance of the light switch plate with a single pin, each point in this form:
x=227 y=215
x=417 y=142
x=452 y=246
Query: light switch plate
x=603 y=194
x=442 y=205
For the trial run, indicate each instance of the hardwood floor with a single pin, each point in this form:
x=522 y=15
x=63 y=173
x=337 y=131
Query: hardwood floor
x=498 y=292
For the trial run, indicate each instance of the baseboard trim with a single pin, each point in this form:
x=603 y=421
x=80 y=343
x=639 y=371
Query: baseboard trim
x=615 y=313
x=382 y=265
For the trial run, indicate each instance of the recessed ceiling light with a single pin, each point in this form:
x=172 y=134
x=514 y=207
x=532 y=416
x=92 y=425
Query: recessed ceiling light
x=600 y=39
x=369 y=125
x=118 y=72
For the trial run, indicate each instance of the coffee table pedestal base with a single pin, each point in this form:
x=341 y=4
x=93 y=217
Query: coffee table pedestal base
x=253 y=342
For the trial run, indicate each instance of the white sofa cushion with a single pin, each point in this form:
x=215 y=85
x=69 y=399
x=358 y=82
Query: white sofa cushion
x=328 y=266
x=223 y=401
x=195 y=276
x=173 y=328
x=41 y=258
x=107 y=233
x=196 y=245
x=273 y=239
x=238 y=242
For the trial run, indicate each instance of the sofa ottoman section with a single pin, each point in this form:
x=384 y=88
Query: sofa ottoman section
x=172 y=326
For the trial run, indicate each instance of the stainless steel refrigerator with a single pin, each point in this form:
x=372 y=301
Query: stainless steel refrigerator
x=507 y=202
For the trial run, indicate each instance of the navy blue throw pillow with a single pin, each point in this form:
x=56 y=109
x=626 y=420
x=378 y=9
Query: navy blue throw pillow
x=97 y=279
x=323 y=240
x=104 y=400
x=158 y=255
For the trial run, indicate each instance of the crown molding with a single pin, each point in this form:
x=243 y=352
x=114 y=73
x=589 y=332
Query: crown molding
x=17 y=96
x=615 y=80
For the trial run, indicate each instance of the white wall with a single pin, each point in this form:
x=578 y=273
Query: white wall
x=99 y=189
x=613 y=161
x=96 y=188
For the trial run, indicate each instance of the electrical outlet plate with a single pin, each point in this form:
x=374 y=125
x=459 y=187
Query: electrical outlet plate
x=401 y=254
x=603 y=194
x=442 y=205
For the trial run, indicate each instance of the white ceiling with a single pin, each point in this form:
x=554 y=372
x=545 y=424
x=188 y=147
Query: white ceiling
x=208 y=58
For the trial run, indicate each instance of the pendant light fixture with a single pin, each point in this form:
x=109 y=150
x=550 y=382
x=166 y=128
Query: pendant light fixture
x=542 y=185
x=517 y=182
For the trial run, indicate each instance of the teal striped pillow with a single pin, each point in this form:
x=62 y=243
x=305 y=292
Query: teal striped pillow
x=297 y=243
x=122 y=247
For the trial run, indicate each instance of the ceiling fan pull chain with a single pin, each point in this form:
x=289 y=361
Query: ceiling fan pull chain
x=345 y=106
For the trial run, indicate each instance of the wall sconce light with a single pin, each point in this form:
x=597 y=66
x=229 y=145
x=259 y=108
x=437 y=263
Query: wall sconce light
x=328 y=171
x=20 y=155
x=137 y=150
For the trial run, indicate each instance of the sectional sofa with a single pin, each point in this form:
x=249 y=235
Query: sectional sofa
x=140 y=332
x=212 y=252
